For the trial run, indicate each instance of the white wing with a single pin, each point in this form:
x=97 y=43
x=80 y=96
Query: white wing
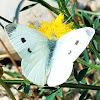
x=32 y=47
x=68 y=48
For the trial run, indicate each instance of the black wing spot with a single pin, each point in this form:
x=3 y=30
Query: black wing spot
x=70 y=52
x=77 y=42
x=29 y=50
x=23 y=40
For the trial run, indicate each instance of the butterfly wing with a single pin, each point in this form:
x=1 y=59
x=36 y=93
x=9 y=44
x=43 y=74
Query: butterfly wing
x=31 y=46
x=68 y=48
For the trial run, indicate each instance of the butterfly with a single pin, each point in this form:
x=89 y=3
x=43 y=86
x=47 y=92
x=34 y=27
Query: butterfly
x=46 y=61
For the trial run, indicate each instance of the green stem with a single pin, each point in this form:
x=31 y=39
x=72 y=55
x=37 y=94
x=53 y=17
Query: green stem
x=5 y=19
x=94 y=50
x=42 y=2
x=66 y=10
x=7 y=89
x=71 y=85
x=88 y=64
x=81 y=86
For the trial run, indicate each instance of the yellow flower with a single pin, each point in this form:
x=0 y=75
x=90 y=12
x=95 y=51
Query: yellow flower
x=55 y=29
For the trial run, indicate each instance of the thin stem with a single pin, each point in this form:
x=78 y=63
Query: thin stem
x=70 y=85
x=34 y=95
x=10 y=56
x=67 y=12
x=88 y=64
x=64 y=6
x=5 y=19
x=7 y=89
x=42 y=2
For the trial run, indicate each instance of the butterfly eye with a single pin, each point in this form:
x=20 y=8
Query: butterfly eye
x=77 y=42
x=29 y=50
x=23 y=40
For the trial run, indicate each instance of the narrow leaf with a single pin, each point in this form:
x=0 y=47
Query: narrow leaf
x=51 y=96
x=88 y=64
x=84 y=93
x=34 y=0
x=73 y=9
x=59 y=92
x=66 y=1
x=96 y=23
x=95 y=51
x=75 y=74
x=27 y=89
x=86 y=20
x=27 y=7
x=86 y=56
x=20 y=87
x=97 y=38
x=82 y=74
x=95 y=44
x=6 y=20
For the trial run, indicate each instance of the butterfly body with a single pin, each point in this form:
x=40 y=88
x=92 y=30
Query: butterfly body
x=47 y=60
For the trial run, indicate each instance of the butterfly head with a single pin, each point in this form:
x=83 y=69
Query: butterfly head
x=10 y=28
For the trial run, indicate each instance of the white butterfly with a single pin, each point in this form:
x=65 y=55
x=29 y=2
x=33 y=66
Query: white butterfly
x=46 y=61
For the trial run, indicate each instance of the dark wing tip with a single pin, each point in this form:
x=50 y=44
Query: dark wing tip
x=10 y=28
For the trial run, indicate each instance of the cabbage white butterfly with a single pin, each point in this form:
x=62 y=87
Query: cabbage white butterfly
x=47 y=61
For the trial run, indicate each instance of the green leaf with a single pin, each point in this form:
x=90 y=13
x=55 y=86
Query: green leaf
x=51 y=96
x=86 y=56
x=73 y=9
x=66 y=1
x=94 y=50
x=21 y=87
x=83 y=81
x=75 y=74
x=86 y=20
x=88 y=64
x=97 y=38
x=27 y=89
x=84 y=93
x=96 y=23
x=59 y=92
x=82 y=74
x=14 y=74
x=79 y=76
x=34 y=0
x=27 y=7
x=95 y=44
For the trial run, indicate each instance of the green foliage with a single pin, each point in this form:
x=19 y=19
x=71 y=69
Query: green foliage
x=79 y=76
x=27 y=89
x=73 y=9
x=86 y=56
x=96 y=23
x=53 y=94
x=86 y=20
x=27 y=7
x=83 y=94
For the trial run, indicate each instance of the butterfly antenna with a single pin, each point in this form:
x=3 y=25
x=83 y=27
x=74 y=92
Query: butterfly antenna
x=18 y=11
x=68 y=19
